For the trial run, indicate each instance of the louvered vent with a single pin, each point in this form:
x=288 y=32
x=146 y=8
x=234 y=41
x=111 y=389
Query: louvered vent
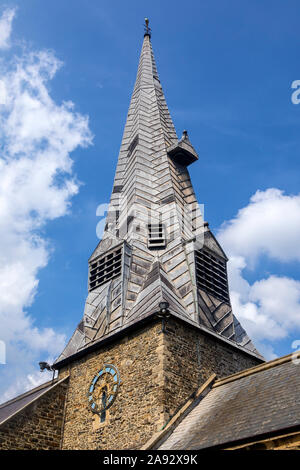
x=105 y=268
x=212 y=275
x=156 y=236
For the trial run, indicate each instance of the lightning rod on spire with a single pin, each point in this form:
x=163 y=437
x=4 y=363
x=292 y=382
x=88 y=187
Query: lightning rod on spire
x=147 y=29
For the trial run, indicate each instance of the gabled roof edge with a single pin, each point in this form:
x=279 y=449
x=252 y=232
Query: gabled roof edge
x=58 y=382
x=158 y=438
x=254 y=370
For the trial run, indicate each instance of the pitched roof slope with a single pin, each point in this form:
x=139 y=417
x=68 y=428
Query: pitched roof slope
x=14 y=406
x=260 y=400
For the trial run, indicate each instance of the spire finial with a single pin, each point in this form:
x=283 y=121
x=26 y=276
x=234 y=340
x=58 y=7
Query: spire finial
x=147 y=29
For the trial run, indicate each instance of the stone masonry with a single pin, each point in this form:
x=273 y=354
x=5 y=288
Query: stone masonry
x=38 y=426
x=160 y=367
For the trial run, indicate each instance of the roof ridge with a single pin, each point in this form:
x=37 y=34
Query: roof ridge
x=256 y=369
x=193 y=400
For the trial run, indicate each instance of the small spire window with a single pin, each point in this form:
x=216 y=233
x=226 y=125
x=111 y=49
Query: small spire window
x=156 y=236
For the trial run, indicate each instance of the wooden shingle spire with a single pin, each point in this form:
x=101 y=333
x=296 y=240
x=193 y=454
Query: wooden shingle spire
x=155 y=247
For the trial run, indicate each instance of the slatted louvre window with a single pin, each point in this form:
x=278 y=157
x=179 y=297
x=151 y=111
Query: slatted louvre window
x=105 y=268
x=212 y=275
x=156 y=236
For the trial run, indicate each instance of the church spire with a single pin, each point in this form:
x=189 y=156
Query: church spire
x=155 y=247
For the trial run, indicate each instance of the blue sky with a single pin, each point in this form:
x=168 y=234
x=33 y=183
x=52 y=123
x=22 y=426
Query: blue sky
x=226 y=70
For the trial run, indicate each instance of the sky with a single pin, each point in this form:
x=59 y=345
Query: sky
x=67 y=70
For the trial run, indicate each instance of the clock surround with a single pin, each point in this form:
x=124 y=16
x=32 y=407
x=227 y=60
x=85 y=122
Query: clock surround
x=103 y=390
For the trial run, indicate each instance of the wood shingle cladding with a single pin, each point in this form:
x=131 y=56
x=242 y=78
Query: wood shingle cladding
x=212 y=274
x=105 y=268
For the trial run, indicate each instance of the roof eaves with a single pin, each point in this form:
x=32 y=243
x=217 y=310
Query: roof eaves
x=137 y=323
x=240 y=444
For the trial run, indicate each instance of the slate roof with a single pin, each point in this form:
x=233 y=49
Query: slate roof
x=14 y=406
x=258 y=401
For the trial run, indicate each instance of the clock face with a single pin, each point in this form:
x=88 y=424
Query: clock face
x=104 y=389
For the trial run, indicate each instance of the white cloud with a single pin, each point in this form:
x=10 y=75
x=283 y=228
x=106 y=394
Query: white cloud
x=37 y=136
x=6 y=27
x=268 y=226
x=22 y=383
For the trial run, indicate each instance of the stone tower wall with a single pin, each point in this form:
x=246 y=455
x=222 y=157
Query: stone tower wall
x=38 y=426
x=159 y=368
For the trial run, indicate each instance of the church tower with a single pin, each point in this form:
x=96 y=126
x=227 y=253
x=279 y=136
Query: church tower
x=158 y=319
